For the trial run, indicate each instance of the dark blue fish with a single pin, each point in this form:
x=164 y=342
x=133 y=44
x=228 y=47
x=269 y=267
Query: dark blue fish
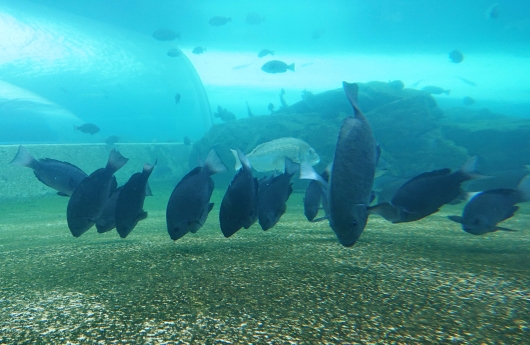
x=130 y=203
x=277 y=66
x=189 y=204
x=240 y=202
x=88 y=128
x=316 y=192
x=485 y=210
x=456 y=56
x=352 y=174
x=88 y=200
x=107 y=220
x=61 y=176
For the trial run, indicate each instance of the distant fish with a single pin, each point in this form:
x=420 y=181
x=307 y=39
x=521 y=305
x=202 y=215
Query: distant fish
x=177 y=98
x=174 y=52
x=282 y=99
x=499 y=180
x=130 y=203
x=198 y=50
x=396 y=85
x=277 y=66
x=456 y=56
x=254 y=18
x=189 y=203
x=273 y=196
x=239 y=208
x=113 y=139
x=241 y=66
x=466 y=81
x=493 y=11
x=424 y=194
x=61 y=176
x=166 y=35
x=468 y=101
x=88 y=128
x=485 y=210
x=107 y=220
x=435 y=90
x=265 y=52
x=249 y=112
x=88 y=200
x=270 y=107
x=187 y=141
x=224 y=114
x=271 y=155
x=415 y=84
x=219 y=20
x=316 y=192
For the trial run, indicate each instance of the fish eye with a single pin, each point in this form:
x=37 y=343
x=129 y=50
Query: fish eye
x=353 y=223
x=476 y=221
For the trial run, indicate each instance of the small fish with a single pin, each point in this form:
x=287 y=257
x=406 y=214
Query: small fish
x=189 y=204
x=485 y=210
x=130 y=203
x=396 y=85
x=435 y=90
x=316 y=192
x=88 y=128
x=415 y=84
x=468 y=101
x=240 y=202
x=282 y=99
x=187 y=141
x=273 y=196
x=254 y=18
x=249 y=112
x=198 y=50
x=61 y=176
x=424 y=194
x=174 y=52
x=241 y=66
x=113 y=139
x=493 y=11
x=466 y=81
x=270 y=107
x=177 y=98
x=88 y=200
x=277 y=66
x=107 y=220
x=166 y=35
x=265 y=52
x=224 y=114
x=219 y=20
x=456 y=56
x=271 y=155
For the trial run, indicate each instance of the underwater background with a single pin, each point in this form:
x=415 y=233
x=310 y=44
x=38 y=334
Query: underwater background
x=68 y=63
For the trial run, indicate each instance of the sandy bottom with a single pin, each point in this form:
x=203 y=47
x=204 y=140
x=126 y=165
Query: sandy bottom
x=424 y=282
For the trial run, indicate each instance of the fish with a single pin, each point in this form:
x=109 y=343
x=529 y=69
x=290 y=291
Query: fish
x=282 y=99
x=88 y=128
x=189 y=203
x=107 y=221
x=198 y=50
x=352 y=174
x=62 y=176
x=239 y=208
x=270 y=107
x=435 y=90
x=165 y=35
x=456 y=56
x=486 y=209
x=241 y=66
x=249 y=112
x=316 y=192
x=277 y=66
x=173 y=52
x=254 y=18
x=426 y=193
x=187 y=141
x=273 y=196
x=130 y=203
x=467 y=81
x=493 y=11
x=415 y=84
x=88 y=200
x=468 y=101
x=224 y=114
x=271 y=155
x=113 y=139
x=498 y=180
x=177 y=98
x=219 y=20
x=396 y=85
x=265 y=52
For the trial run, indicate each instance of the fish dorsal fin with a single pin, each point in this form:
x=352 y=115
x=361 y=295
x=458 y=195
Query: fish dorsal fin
x=500 y=191
x=51 y=160
x=456 y=219
x=440 y=172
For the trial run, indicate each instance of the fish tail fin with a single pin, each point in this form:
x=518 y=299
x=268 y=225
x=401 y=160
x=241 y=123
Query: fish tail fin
x=291 y=67
x=291 y=167
x=469 y=170
x=243 y=159
x=116 y=161
x=524 y=189
x=148 y=168
x=23 y=158
x=352 y=92
x=238 y=162
x=307 y=172
x=456 y=219
x=213 y=163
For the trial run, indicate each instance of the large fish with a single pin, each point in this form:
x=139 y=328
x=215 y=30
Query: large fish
x=316 y=193
x=61 y=176
x=240 y=202
x=130 y=202
x=189 y=204
x=485 y=210
x=88 y=200
x=424 y=194
x=273 y=195
x=352 y=174
x=107 y=219
x=270 y=156
x=277 y=66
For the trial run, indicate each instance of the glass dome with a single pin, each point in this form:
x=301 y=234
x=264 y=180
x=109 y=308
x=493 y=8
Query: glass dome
x=59 y=70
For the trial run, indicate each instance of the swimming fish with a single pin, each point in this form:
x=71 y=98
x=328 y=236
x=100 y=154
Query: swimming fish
x=177 y=98
x=424 y=194
x=456 y=56
x=224 y=114
x=113 y=139
x=486 y=209
x=174 y=52
x=249 y=112
x=107 y=221
x=352 y=174
x=316 y=192
x=88 y=199
x=273 y=196
x=88 y=128
x=282 y=99
x=198 y=50
x=435 y=90
x=271 y=155
x=277 y=66
x=130 y=202
x=270 y=107
x=265 y=52
x=239 y=208
x=219 y=20
x=64 y=177
x=189 y=203
x=165 y=35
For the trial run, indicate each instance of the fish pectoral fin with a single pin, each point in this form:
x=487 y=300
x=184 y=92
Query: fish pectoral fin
x=386 y=210
x=320 y=219
x=62 y=194
x=141 y=216
x=456 y=219
x=504 y=229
